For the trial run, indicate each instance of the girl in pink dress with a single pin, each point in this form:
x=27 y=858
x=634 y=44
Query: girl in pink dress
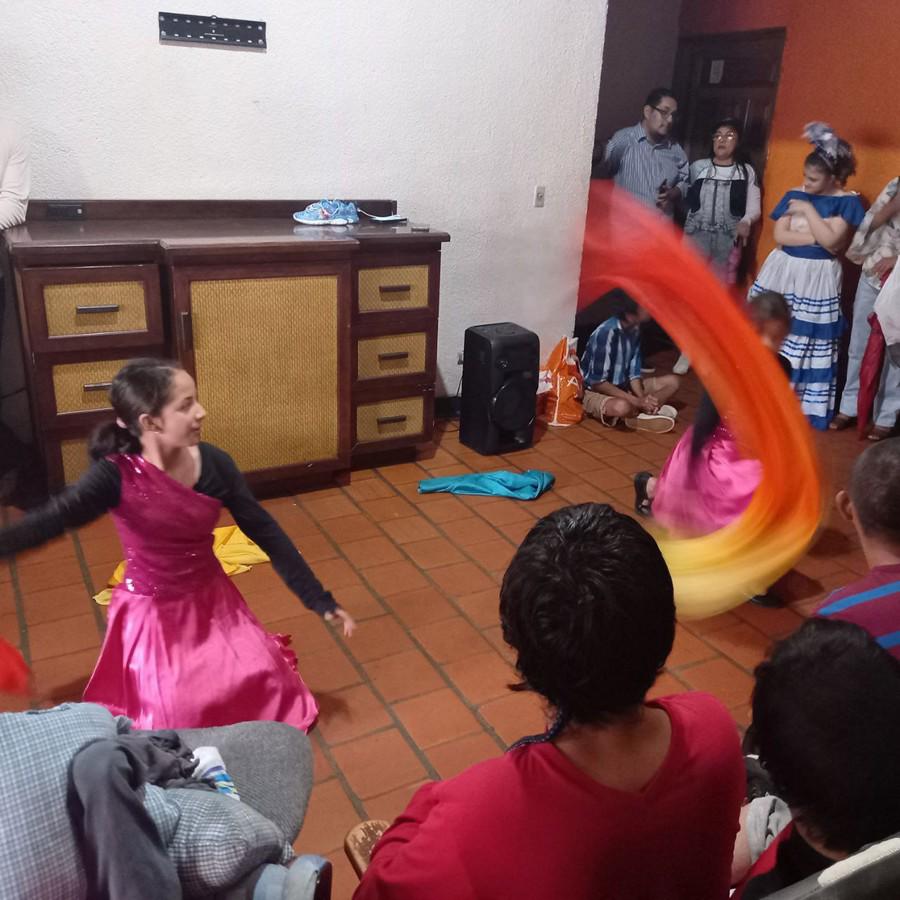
x=706 y=481
x=182 y=648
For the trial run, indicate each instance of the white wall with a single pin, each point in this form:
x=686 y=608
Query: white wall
x=457 y=109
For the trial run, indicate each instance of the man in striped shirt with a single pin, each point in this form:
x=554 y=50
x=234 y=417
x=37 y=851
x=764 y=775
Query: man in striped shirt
x=644 y=159
x=614 y=388
x=873 y=505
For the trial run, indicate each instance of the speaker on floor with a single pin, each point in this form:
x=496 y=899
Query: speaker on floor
x=499 y=387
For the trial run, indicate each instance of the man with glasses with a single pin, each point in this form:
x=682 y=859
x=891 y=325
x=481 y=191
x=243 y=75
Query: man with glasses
x=644 y=159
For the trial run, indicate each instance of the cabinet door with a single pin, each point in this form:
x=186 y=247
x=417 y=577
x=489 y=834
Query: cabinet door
x=269 y=348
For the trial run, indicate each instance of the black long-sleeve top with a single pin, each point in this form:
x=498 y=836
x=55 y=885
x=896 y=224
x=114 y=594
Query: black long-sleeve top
x=100 y=490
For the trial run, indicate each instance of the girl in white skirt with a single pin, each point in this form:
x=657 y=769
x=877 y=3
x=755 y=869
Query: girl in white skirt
x=812 y=225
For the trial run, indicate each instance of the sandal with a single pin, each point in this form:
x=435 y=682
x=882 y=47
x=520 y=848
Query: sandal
x=642 y=503
x=879 y=433
x=841 y=422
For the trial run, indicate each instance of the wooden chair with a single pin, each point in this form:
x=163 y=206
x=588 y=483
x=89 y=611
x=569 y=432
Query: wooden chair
x=360 y=840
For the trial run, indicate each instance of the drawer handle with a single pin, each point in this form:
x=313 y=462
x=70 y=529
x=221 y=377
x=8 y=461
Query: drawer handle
x=398 y=354
x=390 y=420
x=97 y=386
x=187 y=331
x=99 y=308
x=395 y=288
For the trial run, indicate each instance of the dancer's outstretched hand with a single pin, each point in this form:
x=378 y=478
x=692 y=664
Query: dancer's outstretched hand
x=347 y=621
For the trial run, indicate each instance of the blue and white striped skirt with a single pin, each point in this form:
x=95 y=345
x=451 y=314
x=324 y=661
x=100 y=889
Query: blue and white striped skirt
x=812 y=288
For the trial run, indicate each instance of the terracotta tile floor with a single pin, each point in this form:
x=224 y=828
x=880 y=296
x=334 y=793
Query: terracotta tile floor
x=420 y=691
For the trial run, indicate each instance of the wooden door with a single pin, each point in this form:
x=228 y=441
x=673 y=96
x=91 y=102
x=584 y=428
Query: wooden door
x=269 y=347
x=728 y=75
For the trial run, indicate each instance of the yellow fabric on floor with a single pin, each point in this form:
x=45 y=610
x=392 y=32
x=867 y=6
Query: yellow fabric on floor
x=234 y=550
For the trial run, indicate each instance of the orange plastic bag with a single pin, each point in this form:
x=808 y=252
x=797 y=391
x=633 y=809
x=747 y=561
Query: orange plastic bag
x=561 y=386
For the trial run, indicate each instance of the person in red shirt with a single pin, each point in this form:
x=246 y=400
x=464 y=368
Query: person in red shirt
x=873 y=506
x=621 y=797
x=826 y=725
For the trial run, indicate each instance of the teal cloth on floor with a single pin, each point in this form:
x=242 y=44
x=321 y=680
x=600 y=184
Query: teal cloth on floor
x=518 y=485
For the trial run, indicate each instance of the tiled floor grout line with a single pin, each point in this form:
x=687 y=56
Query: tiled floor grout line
x=19 y=600
x=395 y=719
x=389 y=611
x=338 y=773
x=364 y=676
x=88 y=583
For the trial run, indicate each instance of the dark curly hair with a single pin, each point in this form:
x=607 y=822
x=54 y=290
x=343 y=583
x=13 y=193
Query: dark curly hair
x=826 y=723
x=588 y=606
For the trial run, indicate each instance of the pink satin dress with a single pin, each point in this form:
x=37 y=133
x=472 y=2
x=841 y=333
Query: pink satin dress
x=182 y=648
x=698 y=496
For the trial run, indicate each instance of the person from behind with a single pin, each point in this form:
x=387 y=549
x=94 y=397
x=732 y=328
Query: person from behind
x=621 y=796
x=826 y=725
x=614 y=386
x=873 y=506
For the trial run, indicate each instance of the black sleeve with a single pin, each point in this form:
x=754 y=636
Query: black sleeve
x=98 y=490
x=221 y=478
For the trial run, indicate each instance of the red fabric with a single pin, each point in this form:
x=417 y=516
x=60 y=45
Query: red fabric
x=869 y=375
x=13 y=671
x=532 y=825
x=766 y=861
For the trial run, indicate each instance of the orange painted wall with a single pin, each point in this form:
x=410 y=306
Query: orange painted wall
x=841 y=65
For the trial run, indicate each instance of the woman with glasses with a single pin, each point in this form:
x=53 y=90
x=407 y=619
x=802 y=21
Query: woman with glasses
x=723 y=203
x=723 y=198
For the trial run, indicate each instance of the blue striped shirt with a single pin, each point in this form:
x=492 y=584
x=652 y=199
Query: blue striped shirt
x=640 y=166
x=873 y=603
x=613 y=354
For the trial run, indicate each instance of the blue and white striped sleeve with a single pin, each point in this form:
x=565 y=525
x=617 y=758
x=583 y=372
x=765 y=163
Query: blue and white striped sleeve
x=683 y=178
x=615 y=149
x=598 y=356
x=637 y=362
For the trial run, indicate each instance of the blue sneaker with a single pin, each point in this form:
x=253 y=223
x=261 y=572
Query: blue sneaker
x=328 y=212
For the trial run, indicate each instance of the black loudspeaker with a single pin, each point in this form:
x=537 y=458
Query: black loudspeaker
x=499 y=388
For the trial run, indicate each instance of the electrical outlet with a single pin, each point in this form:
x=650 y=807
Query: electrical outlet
x=539 y=193
x=459 y=357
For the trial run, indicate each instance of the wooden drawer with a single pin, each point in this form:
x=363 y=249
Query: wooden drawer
x=398 y=419
x=393 y=289
x=83 y=386
x=90 y=307
x=391 y=355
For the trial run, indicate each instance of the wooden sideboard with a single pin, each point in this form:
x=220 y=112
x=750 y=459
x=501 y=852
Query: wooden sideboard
x=311 y=346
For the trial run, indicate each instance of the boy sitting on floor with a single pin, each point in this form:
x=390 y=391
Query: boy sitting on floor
x=614 y=388
x=873 y=505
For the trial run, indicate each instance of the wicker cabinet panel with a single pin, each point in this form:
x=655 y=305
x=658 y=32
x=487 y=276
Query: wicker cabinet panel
x=266 y=356
x=393 y=288
x=84 y=386
x=102 y=308
x=391 y=355
x=388 y=420
x=74 y=455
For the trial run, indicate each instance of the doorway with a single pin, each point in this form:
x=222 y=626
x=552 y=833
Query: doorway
x=728 y=75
